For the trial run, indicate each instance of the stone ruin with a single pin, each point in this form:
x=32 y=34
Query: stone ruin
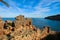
x=21 y=29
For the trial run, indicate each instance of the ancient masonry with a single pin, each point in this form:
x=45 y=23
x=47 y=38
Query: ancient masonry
x=21 y=29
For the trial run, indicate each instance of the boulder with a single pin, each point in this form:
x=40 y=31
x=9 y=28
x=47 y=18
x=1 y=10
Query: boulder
x=7 y=24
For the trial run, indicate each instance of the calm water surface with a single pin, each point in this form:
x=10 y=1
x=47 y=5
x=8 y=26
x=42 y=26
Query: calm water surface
x=40 y=22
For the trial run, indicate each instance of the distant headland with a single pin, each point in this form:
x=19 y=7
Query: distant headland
x=54 y=17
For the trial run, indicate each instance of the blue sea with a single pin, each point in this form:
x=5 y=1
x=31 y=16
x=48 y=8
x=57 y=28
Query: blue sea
x=40 y=22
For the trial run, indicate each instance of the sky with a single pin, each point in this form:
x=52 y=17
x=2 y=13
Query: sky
x=30 y=8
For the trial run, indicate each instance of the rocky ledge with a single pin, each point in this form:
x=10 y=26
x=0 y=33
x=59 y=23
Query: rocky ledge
x=22 y=29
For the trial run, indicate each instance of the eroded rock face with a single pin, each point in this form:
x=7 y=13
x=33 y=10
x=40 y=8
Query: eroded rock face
x=19 y=21
x=28 y=21
x=7 y=24
x=22 y=29
x=1 y=24
x=26 y=34
x=3 y=37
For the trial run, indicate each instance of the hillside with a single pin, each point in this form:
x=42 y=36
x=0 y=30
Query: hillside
x=54 y=17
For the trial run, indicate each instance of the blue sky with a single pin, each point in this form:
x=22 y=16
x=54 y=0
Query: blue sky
x=30 y=8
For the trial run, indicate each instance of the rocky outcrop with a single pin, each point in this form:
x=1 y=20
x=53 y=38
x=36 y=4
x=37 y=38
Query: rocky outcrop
x=22 y=29
x=1 y=24
x=55 y=36
x=7 y=24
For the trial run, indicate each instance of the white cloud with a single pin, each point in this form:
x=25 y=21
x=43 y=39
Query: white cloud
x=40 y=11
x=14 y=10
x=47 y=2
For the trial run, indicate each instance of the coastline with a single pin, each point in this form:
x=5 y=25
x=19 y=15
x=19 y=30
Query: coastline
x=22 y=29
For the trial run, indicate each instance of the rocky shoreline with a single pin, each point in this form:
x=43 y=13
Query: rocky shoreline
x=22 y=29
